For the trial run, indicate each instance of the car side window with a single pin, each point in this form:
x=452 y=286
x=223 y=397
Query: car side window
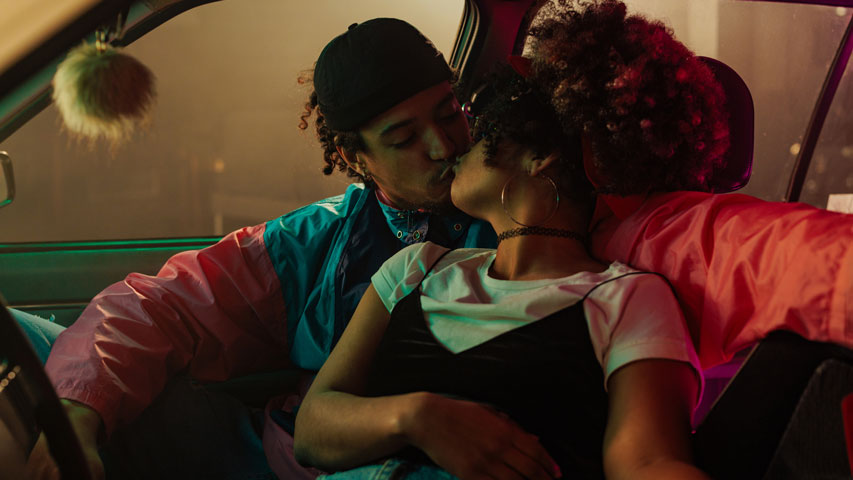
x=223 y=149
x=829 y=182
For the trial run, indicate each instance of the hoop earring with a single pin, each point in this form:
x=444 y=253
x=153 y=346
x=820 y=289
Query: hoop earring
x=506 y=192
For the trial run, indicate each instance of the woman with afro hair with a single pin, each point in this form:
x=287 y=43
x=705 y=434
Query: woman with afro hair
x=655 y=126
x=534 y=360
x=651 y=110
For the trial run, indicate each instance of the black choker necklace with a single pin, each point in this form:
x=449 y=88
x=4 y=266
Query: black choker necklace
x=549 y=232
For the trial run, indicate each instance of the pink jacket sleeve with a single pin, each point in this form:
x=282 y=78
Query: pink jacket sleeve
x=215 y=313
x=741 y=266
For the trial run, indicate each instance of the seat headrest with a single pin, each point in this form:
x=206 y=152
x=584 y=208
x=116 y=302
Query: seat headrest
x=735 y=173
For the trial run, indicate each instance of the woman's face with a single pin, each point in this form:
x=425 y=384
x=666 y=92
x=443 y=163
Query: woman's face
x=476 y=187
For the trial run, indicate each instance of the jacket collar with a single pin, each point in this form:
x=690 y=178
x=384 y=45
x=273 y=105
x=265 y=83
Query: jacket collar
x=412 y=226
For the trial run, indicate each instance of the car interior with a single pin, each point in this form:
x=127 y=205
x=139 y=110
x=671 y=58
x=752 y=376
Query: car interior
x=29 y=406
x=790 y=142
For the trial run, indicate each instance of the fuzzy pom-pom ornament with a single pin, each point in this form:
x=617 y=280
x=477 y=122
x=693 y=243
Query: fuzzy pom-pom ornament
x=103 y=93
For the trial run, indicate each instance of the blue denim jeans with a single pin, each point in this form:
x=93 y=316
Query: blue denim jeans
x=41 y=331
x=392 y=469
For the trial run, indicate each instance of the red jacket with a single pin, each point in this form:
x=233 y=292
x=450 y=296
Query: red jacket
x=741 y=266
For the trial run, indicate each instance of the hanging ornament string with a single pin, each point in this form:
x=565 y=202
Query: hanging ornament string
x=101 y=42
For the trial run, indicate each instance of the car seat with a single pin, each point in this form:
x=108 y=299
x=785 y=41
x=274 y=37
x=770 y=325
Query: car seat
x=735 y=173
x=781 y=415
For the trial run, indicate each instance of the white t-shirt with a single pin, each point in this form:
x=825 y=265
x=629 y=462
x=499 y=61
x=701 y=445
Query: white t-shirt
x=630 y=318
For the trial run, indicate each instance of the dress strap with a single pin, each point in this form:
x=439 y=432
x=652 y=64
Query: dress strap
x=432 y=266
x=671 y=287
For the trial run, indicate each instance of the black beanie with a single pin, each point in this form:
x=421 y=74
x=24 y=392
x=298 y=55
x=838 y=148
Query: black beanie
x=371 y=67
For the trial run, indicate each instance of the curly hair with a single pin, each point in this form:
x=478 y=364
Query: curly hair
x=652 y=110
x=510 y=108
x=331 y=139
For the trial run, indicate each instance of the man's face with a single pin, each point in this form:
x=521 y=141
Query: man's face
x=410 y=147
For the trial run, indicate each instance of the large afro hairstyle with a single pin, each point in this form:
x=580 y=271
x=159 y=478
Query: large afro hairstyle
x=651 y=109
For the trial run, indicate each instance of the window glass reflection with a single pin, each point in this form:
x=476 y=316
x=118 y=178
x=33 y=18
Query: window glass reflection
x=831 y=168
x=223 y=150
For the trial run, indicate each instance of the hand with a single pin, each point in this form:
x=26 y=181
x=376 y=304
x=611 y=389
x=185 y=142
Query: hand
x=474 y=441
x=86 y=423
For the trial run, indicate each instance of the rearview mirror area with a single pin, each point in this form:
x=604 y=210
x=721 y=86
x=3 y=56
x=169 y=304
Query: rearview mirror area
x=7 y=180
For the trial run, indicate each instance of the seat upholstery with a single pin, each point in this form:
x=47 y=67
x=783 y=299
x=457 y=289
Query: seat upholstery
x=742 y=432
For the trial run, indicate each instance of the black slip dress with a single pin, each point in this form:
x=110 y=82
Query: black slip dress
x=544 y=375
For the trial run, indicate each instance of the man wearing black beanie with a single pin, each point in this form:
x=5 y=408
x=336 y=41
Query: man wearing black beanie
x=386 y=114
x=276 y=295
